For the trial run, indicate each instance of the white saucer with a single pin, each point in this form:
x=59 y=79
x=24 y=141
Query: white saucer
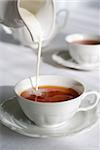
x=13 y=117
x=64 y=58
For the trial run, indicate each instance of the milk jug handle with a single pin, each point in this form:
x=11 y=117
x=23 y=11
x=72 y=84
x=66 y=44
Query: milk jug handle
x=65 y=12
x=6 y=29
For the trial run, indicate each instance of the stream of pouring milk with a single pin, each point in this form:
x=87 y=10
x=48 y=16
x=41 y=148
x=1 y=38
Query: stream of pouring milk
x=35 y=30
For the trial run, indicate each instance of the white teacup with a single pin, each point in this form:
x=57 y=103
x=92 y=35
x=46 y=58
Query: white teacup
x=84 y=53
x=56 y=113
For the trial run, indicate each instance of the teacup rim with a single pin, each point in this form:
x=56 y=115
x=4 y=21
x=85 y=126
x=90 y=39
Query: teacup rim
x=88 y=35
x=50 y=103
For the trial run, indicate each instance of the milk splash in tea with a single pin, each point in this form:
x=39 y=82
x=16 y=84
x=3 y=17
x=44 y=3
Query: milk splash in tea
x=35 y=30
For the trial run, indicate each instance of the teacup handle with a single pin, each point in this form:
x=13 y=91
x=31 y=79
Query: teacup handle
x=65 y=18
x=91 y=103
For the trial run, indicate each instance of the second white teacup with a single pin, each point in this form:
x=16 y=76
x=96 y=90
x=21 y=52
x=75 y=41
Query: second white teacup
x=84 y=48
x=53 y=114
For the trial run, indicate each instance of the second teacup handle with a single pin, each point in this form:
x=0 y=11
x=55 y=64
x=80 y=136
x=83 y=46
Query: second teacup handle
x=64 y=20
x=91 y=103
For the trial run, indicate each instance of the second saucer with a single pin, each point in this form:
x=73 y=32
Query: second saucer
x=64 y=58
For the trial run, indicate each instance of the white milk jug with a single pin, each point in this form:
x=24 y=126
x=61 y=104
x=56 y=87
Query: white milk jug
x=43 y=10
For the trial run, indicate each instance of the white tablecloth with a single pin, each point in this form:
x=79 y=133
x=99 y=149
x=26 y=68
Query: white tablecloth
x=17 y=63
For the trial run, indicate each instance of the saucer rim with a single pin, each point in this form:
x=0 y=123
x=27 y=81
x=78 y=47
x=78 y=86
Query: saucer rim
x=76 y=66
x=82 y=130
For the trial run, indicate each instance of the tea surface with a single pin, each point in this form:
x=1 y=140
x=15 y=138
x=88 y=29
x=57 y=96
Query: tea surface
x=50 y=94
x=87 y=42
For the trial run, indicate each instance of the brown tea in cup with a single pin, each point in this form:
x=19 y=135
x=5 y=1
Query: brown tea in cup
x=50 y=94
x=87 y=42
